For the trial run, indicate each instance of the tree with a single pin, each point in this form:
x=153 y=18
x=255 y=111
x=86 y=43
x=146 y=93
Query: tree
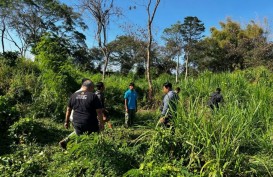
x=101 y=11
x=151 y=11
x=127 y=51
x=151 y=14
x=162 y=62
x=174 y=42
x=192 y=28
x=52 y=52
x=28 y=20
x=233 y=47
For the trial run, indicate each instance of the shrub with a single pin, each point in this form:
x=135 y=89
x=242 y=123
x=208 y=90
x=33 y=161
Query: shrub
x=8 y=113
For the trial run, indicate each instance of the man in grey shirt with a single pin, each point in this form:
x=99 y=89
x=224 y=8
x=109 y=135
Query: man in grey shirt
x=168 y=109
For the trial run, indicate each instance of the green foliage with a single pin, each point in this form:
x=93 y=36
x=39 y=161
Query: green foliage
x=108 y=154
x=27 y=161
x=127 y=51
x=235 y=140
x=8 y=113
x=233 y=47
x=27 y=131
x=9 y=58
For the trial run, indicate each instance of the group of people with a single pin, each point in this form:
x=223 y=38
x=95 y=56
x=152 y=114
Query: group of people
x=86 y=108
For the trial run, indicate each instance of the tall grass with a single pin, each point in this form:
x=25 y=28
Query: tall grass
x=228 y=140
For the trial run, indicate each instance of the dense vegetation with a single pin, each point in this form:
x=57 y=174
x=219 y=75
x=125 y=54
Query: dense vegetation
x=237 y=140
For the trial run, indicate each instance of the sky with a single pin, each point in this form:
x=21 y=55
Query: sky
x=210 y=12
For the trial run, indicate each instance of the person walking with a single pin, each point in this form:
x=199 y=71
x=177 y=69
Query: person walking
x=100 y=93
x=215 y=98
x=130 y=104
x=64 y=142
x=168 y=110
x=87 y=115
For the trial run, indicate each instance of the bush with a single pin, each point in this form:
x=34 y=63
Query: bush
x=96 y=155
x=8 y=113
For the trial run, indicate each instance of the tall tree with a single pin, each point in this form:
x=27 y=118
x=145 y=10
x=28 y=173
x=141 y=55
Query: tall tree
x=174 y=42
x=151 y=8
x=127 y=51
x=233 y=47
x=101 y=11
x=29 y=20
x=192 y=29
x=151 y=14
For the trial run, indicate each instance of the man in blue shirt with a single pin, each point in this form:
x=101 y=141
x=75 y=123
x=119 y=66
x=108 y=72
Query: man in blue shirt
x=130 y=105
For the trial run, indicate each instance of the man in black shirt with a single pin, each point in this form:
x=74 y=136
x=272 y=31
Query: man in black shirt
x=87 y=115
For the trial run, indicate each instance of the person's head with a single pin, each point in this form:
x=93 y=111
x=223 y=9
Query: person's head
x=218 y=90
x=88 y=85
x=167 y=86
x=177 y=90
x=84 y=79
x=100 y=86
x=131 y=86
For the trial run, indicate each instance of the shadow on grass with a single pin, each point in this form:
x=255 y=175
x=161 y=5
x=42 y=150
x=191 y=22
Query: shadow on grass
x=43 y=132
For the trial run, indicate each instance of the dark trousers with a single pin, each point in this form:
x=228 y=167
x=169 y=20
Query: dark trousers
x=129 y=117
x=85 y=128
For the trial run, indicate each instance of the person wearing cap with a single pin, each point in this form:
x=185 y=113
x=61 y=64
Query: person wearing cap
x=169 y=104
x=100 y=93
x=130 y=104
x=87 y=115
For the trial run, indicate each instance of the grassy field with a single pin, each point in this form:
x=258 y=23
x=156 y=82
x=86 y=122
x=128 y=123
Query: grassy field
x=236 y=140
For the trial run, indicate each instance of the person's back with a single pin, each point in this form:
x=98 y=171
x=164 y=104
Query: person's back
x=170 y=103
x=71 y=116
x=100 y=95
x=215 y=99
x=86 y=106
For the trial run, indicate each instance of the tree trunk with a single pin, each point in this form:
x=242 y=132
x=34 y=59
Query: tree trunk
x=106 y=61
x=149 y=46
x=2 y=36
x=186 y=65
x=177 y=68
x=148 y=66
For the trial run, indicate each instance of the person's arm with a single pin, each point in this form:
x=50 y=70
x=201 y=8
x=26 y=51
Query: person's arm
x=67 y=115
x=165 y=105
x=222 y=99
x=136 y=105
x=104 y=117
x=165 y=109
x=136 y=102
x=126 y=104
x=100 y=119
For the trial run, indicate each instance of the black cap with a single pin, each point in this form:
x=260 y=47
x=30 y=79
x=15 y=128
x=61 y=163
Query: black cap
x=167 y=85
x=99 y=85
